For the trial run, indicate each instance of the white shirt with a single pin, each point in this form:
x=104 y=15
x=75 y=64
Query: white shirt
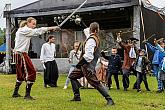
x=48 y=51
x=23 y=36
x=139 y=65
x=89 y=46
x=74 y=58
x=89 y=50
x=87 y=32
x=132 y=53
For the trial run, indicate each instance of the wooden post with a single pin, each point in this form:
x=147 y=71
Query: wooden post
x=8 y=37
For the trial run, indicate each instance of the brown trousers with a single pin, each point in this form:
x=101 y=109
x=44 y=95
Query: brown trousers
x=87 y=73
x=24 y=68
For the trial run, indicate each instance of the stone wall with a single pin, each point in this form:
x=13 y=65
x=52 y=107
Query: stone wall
x=62 y=63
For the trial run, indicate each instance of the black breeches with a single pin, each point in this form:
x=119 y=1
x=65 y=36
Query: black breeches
x=115 y=77
x=141 y=77
x=51 y=73
x=91 y=78
x=85 y=72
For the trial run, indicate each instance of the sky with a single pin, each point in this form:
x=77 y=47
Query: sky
x=14 y=4
x=18 y=3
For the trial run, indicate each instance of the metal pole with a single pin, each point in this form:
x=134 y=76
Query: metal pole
x=8 y=37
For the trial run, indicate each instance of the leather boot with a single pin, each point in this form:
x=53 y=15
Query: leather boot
x=76 y=96
x=75 y=87
x=28 y=90
x=105 y=94
x=15 y=93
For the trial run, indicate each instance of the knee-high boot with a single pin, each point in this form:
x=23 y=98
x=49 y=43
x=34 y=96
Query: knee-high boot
x=15 y=93
x=75 y=87
x=28 y=90
x=105 y=94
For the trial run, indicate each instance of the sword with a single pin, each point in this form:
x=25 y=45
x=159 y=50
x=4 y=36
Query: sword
x=156 y=41
x=72 y=14
x=77 y=51
x=148 y=38
x=125 y=32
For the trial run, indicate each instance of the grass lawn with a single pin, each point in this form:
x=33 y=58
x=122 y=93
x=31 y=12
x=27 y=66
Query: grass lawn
x=58 y=99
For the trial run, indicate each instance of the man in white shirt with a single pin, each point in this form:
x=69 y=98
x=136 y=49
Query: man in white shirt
x=48 y=52
x=86 y=66
x=24 y=68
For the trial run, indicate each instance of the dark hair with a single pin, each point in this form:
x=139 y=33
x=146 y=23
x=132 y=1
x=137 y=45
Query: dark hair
x=94 y=27
x=76 y=41
x=114 y=47
x=50 y=37
x=142 y=50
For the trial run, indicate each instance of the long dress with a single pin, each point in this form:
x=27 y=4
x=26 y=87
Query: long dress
x=102 y=70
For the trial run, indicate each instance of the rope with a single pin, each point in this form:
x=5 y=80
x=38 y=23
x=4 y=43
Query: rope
x=143 y=29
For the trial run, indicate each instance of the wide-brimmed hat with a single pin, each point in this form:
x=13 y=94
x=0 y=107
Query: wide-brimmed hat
x=133 y=39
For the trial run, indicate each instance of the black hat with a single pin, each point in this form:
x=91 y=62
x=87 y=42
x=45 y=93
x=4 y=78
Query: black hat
x=133 y=39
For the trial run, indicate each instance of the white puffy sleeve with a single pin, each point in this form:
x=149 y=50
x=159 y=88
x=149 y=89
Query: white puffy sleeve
x=42 y=53
x=89 y=50
x=28 y=32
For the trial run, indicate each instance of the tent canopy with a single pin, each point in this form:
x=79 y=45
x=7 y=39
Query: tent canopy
x=151 y=6
x=53 y=7
x=3 y=48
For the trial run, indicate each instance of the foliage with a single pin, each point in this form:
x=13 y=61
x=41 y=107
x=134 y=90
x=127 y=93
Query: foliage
x=2 y=36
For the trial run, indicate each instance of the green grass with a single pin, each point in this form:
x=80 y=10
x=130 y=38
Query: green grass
x=58 y=99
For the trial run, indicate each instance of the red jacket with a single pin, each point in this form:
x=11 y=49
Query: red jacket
x=127 y=60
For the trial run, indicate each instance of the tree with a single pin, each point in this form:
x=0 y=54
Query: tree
x=2 y=36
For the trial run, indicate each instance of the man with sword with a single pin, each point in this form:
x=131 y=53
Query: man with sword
x=86 y=66
x=24 y=68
